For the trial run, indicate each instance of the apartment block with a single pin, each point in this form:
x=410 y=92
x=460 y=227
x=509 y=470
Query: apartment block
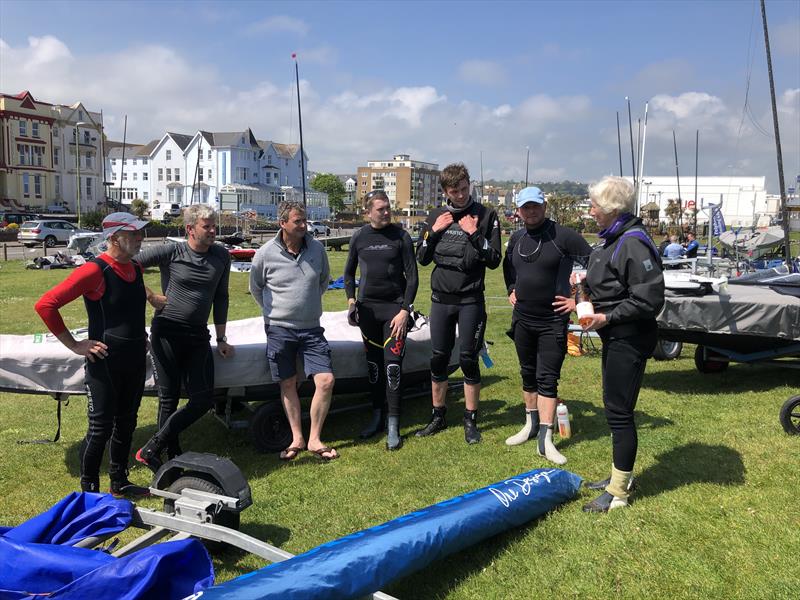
x=411 y=185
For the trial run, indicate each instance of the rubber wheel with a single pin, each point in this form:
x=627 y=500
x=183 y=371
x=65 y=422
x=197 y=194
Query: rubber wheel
x=705 y=363
x=790 y=416
x=225 y=518
x=269 y=428
x=50 y=241
x=666 y=350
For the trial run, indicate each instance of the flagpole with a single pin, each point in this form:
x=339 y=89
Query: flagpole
x=300 y=120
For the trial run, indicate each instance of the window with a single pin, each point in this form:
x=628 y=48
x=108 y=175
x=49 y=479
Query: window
x=80 y=115
x=113 y=162
x=26 y=186
x=209 y=154
x=114 y=176
x=35 y=129
x=144 y=196
x=144 y=176
x=144 y=161
x=55 y=156
x=171 y=194
x=135 y=176
x=161 y=174
x=23 y=127
x=37 y=186
x=86 y=137
x=88 y=160
x=24 y=154
x=177 y=174
x=55 y=130
x=209 y=174
x=169 y=174
x=58 y=186
x=269 y=159
x=134 y=162
x=39 y=151
x=200 y=175
x=169 y=154
x=88 y=187
x=124 y=177
x=125 y=163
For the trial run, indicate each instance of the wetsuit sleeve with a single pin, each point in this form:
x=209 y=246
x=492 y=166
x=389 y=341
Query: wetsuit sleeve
x=85 y=280
x=426 y=246
x=509 y=272
x=350 y=266
x=221 y=295
x=487 y=242
x=578 y=248
x=325 y=275
x=641 y=274
x=155 y=255
x=410 y=270
x=257 y=280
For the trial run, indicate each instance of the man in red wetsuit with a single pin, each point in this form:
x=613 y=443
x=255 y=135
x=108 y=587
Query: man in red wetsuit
x=113 y=290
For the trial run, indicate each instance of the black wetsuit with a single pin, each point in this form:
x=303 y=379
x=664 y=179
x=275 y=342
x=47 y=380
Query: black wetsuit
x=457 y=285
x=625 y=282
x=192 y=282
x=537 y=266
x=115 y=384
x=389 y=281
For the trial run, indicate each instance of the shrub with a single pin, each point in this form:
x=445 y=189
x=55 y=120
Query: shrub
x=92 y=220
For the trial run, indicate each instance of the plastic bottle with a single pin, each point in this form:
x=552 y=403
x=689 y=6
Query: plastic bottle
x=562 y=416
x=583 y=304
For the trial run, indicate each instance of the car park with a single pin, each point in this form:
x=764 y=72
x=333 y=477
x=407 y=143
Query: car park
x=47 y=231
x=318 y=228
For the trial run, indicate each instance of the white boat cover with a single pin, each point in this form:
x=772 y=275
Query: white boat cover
x=737 y=310
x=41 y=364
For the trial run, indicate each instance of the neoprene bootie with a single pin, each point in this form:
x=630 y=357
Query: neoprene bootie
x=436 y=424
x=121 y=487
x=375 y=424
x=150 y=454
x=529 y=431
x=471 y=433
x=546 y=447
x=616 y=494
x=393 y=439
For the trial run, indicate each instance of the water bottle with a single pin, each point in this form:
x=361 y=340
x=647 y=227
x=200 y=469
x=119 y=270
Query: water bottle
x=562 y=416
x=583 y=304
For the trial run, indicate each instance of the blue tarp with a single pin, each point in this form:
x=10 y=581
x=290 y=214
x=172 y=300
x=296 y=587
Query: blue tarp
x=37 y=557
x=366 y=561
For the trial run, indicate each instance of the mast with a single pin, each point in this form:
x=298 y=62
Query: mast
x=630 y=128
x=300 y=122
x=784 y=211
x=619 y=146
x=678 y=179
x=122 y=171
x=641 y=157
x=696 y=155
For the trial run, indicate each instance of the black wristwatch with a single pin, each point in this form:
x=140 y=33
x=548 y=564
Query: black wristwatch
x=222 y=339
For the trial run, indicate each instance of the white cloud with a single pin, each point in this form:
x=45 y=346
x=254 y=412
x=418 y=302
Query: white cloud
x=786 y=38
x=279 y=24
x=690 y=104
x=482 y=72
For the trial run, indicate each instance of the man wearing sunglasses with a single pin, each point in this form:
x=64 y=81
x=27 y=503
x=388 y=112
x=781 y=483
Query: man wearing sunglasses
x=461 y=238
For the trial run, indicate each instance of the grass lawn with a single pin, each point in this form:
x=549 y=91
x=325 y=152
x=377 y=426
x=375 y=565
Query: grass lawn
x=714 y=514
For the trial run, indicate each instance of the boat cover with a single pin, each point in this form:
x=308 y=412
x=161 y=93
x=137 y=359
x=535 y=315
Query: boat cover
x=745 y=310
x=368 y=560
x=37 y=557
x=39 y=363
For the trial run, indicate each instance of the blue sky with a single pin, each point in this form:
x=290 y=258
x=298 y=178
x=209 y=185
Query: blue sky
x=443 y=81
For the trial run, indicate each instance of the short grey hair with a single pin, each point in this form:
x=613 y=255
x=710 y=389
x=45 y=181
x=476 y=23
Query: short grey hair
x=613 y=194
x=286 y=207
x=195 y=212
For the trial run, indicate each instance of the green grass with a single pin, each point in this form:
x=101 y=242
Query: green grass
x=714 y=515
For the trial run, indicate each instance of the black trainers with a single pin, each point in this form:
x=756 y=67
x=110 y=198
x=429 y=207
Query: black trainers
x=604 y=503
x=602 y=485
x=438 y=423
x=471 y=433
x=123 y=488
x=90 y=485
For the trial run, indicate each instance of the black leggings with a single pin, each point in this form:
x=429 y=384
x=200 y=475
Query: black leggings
x=384 y=354
x=187 y=360
x=114 y=388
x=623 y=363
x=541 y=347
x=471 y=321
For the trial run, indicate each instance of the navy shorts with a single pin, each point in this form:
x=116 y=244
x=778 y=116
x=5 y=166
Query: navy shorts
x=285 y=345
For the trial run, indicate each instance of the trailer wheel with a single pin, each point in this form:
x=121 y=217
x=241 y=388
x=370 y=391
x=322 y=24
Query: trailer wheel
x=790 y=416
x=269 y=428
x=225 y=518
x=705 y=362
x=666 y=350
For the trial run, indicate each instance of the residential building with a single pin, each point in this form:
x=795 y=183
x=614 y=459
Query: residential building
x=167 y=163
x=27 y=174
x=351 y=198
x=412 y=186
x=128 y=169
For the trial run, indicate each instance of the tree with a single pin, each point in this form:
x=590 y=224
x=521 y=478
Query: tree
x=564 y=210
x=139 y=207
x=333 y=186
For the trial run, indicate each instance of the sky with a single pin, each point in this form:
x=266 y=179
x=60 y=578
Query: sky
x=441 y=81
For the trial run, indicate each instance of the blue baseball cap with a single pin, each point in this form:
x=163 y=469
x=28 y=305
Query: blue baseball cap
x=530 y=194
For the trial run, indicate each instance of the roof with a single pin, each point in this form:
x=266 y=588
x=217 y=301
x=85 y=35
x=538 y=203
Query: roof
x=230 y=138
x=286 y=150
x=181 y=139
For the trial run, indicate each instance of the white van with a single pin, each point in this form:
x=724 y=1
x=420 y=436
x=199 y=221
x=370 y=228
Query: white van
x=165 y=212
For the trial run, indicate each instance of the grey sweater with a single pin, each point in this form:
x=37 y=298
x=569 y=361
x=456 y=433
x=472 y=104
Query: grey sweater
x=288 y=289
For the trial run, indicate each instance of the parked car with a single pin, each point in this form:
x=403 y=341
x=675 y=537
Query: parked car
x=317 y=228
x=49 y=231
x=165 y=211
x=56 y=209
x=8 y=217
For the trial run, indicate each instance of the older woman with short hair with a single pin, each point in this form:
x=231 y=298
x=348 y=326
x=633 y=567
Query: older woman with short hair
x=626 y=286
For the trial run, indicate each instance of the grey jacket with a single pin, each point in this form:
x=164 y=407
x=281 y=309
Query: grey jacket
x=288 y=289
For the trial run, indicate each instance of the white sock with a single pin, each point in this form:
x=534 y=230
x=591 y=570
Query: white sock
x=528 y=431
x=546 y=447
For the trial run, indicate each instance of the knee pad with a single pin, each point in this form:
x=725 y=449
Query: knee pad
x=470 y=369
x=372 y=371
x=393 y=375
x=439 y=366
